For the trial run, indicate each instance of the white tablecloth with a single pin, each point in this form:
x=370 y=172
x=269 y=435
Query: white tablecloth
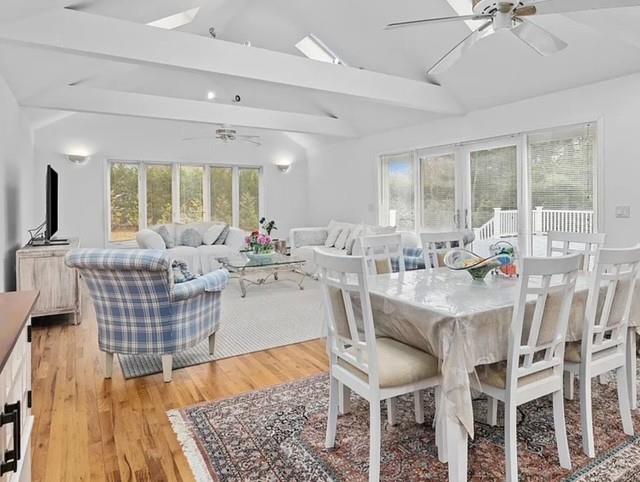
x=464 y=323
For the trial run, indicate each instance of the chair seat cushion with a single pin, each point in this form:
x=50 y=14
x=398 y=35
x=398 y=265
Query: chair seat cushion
x=495 y=375
x=573 y=351
x=398 y=364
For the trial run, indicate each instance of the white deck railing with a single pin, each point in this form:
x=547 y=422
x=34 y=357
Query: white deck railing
x=504 y=222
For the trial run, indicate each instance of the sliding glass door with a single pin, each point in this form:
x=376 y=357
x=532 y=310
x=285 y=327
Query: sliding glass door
x=515 y=189
x=438 y=190
x=491 y=203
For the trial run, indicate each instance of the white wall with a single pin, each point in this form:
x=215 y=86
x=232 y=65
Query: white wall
x=82 y=210
x=16 y=184
x=343 y=177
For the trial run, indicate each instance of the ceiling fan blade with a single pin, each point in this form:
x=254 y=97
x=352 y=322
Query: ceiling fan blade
x=539 y=39
x=251 y=141
x=566 y=6
x=413 y=23
x=453 y=55
x=198 y=138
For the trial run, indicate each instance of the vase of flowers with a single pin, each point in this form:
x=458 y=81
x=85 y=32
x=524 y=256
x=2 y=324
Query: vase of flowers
x=260 y=242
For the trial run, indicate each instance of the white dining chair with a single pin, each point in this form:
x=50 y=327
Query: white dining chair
x=604 y=338
x=560 y=243
x=535 y=356
x=378 y=250
x=435 y=245
x=375 y=368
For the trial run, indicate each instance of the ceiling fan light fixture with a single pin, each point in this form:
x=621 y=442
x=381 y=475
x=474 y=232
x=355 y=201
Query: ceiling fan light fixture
x=211 y=95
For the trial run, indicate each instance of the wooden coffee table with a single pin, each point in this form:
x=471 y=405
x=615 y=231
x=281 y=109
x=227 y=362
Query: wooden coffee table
x=268 y=269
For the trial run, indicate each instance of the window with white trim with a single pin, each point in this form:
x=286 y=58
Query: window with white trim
x=142 y=194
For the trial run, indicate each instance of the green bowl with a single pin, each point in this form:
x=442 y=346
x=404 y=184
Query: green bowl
x=480 y=272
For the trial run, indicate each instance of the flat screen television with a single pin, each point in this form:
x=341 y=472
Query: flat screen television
x=52 y=204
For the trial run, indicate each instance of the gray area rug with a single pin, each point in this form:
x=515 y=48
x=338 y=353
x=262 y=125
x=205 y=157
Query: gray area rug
x=271 y=315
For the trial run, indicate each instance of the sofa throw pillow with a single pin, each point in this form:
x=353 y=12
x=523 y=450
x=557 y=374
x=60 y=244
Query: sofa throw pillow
x=222 y=238
x=355 y=233
x=211 y=235
x=164 y=234
x=191 y=237
x=341 y=242
x=149 y=239
x=334 y=232
x=181 y=271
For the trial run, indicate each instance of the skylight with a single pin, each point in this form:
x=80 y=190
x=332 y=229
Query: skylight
x=314 y=48
x=177 y=20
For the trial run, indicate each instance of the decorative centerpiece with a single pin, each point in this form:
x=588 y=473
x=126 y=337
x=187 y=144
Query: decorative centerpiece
x=259 y=242
x=502 y=260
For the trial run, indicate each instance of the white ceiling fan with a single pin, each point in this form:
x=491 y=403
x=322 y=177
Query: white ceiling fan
x=511 y=15
x=227 y=133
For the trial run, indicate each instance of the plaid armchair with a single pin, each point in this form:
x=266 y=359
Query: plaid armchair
x=413 y=260
x=140 y=310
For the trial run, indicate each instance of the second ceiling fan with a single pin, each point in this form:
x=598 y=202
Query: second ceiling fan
x=513 y=16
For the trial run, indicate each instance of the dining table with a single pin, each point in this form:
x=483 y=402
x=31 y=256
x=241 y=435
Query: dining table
x=465 y=323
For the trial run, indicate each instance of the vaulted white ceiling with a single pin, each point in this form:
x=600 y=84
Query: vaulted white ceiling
x=499 y=69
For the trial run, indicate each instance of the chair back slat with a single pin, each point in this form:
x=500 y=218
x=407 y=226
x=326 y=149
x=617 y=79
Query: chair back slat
x=609 y=302
x=435 y=244
x=587 y=244
x=378 y=251
x=344 y=283
x=540 y=316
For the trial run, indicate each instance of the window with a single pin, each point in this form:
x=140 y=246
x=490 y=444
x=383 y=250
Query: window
x=221 y=194
x=123 y=193
x=191 y=194
x=159 y=206
x=249 y=189
x=398 y=194
x=493 y=183
x=145 y=194
x=561 y=164
x=438 y=188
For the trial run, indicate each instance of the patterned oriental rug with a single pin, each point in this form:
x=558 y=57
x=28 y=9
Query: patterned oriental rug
x=278 y=434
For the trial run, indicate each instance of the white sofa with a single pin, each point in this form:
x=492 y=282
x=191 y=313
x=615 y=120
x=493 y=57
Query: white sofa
x=303 y=241
x=200 y=259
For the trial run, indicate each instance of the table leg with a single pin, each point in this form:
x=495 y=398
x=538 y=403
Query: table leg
x=243 y=286
x=632 y=362
x=456 y=440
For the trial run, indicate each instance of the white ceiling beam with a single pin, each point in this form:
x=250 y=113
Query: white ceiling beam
x=607 y=24
x=119 y=40
x=111 y=102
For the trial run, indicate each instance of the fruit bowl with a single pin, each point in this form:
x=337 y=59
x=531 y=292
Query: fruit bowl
x=459 y=259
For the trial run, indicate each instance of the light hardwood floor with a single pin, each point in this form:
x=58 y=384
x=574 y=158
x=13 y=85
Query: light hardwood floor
x=89 y=428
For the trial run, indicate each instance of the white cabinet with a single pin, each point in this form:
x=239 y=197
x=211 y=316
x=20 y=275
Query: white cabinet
x=16 y=420
x=42 y=268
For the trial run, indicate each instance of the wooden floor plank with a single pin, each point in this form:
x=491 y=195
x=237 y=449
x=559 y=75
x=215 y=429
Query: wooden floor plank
x=89 y=428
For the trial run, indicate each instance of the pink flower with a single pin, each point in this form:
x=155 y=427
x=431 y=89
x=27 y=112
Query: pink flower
x=262 y=239
x=268 y=238
x=247 y=239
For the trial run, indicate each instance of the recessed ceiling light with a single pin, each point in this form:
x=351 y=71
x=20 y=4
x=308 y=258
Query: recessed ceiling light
x=315 y=49
x=211 y=95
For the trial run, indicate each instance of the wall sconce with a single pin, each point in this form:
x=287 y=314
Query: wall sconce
x=284 y=167
x=78 y=160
